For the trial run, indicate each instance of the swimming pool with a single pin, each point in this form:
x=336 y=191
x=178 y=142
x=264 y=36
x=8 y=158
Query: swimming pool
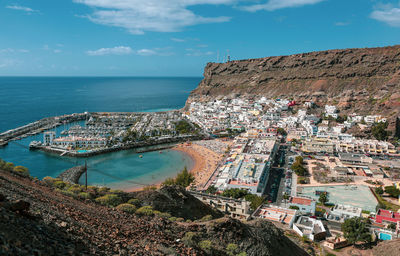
x=384 y=236
x=353 y=195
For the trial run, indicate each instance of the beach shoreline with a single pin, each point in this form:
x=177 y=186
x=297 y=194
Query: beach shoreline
x=204 y=162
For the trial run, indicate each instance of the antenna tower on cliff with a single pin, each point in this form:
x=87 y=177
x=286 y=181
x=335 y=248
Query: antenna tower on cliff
x=228 y=57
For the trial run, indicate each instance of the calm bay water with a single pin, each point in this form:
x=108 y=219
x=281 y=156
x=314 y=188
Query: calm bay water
x=28 y=99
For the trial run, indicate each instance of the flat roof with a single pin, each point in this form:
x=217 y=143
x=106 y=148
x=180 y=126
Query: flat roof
x=300 y=200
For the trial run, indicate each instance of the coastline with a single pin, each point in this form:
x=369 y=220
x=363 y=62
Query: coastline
x=204 y=162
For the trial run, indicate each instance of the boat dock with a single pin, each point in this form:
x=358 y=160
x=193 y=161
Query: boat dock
x=39 y=126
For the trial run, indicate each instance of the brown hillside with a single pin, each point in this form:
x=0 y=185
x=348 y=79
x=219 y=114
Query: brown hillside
x=47 y=222
x=366 y=80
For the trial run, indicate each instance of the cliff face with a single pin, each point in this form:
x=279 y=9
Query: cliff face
x=358 y=80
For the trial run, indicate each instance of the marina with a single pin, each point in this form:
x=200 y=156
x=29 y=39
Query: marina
x=119 y=96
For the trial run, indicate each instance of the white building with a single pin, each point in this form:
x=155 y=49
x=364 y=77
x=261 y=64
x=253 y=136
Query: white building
x=313 y=229
x=48 y=138
x=305 y=205
x=79 y=142
x=341 y=212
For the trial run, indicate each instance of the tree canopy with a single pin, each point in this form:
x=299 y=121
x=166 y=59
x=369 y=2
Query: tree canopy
x=235 y=193
x=379 y=131
x=255 y=201
x=355 y=230
x=183 y=179
x=183 y=127
x=379 y=190
x=392 y=191
x=323 y=198
x=298 y=166
x=281 y=131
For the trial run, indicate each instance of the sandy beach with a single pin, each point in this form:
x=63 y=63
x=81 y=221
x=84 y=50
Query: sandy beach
x=205 y=154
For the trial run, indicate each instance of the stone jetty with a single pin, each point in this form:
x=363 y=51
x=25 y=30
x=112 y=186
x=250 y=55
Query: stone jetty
x=72 y=175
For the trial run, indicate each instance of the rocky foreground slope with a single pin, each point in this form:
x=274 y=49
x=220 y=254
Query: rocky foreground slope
x=46 y=222
x=366 y=81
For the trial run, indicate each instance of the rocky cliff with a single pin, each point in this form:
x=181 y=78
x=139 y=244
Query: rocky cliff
x=366 y=80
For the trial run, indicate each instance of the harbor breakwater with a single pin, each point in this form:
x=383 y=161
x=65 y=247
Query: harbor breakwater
x=72 y=175
x=41 y=126
x=139 y=147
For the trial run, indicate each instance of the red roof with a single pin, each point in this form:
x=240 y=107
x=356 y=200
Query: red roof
x=300 y=200
x=389 y=214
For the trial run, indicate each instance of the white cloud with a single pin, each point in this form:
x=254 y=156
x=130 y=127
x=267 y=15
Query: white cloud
x=341 y=23
x=57 y=51
x=272 y=5
x=118 y=50
x=138 y=16
x=388 y=14
x=179 y=40
x=197 y=52
x=146 y=52
x=21 y=8
x=11 y=50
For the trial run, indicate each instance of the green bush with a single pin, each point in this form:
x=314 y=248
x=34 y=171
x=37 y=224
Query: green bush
x=180 y=219
x=21 y=170
x=242 y=254
x=173 y=219
x=109 y=200
x=206 y=245
x=59 y=184
x=145 y=210
x=162 y=214
x=116 y=191
x=207 y=218
x=8 y=167
x=84 y=195
x=75 y=189
x=189 y=239
x=103 y=189
x=294 y=207
x=232 y=249
x=68 y=193
x=128 y=208
x=136 y=202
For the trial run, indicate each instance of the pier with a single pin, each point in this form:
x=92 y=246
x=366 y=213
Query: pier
x=107 y=132
x=39 y=126
x=139 y=147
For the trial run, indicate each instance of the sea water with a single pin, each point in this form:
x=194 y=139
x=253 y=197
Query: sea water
x=27 y=99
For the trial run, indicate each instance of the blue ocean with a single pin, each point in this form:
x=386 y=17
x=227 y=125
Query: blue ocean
x=27 y=99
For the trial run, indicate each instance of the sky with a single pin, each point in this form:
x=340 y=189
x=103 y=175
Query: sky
x=179 y=37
